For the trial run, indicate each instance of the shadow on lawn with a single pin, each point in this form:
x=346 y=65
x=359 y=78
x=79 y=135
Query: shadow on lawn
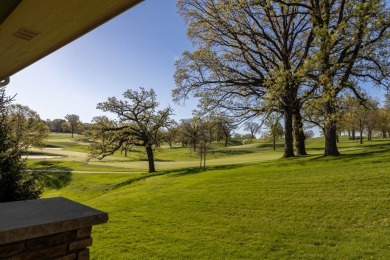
x=52 y=174
x=197 y=170
x=379 y=151
x=52 y=146
x=156 y=160
x=175 y=173
x=136 y=179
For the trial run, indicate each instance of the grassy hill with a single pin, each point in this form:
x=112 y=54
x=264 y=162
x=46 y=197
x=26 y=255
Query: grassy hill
x=249 y=204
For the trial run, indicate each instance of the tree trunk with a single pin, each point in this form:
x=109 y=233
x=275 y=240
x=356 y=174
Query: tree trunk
x=149 y=152
x=288 y=132
x=360 y=132
x=226 y=140
x=330 y=131
x=204 y=158
x=353 y=134
x=201 y=158
x=274 y=142
x=299 y=134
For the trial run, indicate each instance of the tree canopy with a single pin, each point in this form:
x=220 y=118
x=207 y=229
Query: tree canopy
x=250 y=58
x=72 y=123
x=138 y=123
x=258 y=57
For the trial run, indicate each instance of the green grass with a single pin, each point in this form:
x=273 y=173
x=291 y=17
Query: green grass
x=74 y=152
x=313 y=207
x=56 y=165
x=66 y=141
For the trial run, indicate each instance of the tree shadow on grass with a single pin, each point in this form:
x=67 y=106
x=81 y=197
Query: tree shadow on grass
x=52 y=146
x=197 y=170
x=175 y=173
x=156 y=160
x=52 y=174
x=379 y=151
x=136 y=179
x=375 y=150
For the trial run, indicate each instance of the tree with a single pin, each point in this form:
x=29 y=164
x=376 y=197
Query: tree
x=27 y=127
x=251 y=59
x=191 y=130
x=15 y=182
x=73 y=123
x=351 y=45
x=384 y=121
x=203 y=147
x=372 y=122
x=226 y=125
x=275 y=129
x=309 y=134
x=371 y=117
x=138 y=122
x=253 y=128
x=360 y=115
x=349 y=115
x=171 y=132
x=56 y=125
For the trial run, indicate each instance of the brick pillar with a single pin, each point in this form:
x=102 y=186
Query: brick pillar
x=49 y=228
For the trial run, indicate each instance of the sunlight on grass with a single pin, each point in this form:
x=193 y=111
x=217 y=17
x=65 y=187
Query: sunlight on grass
x=248 y=205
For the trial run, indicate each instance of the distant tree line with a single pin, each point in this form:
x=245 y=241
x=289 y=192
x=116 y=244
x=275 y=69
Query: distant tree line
x=70 y=124
x=365 y=118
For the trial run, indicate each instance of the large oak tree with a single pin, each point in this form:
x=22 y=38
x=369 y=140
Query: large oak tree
x=351 y=45
x=250 y=60
x=138 y=123
x=257 y=57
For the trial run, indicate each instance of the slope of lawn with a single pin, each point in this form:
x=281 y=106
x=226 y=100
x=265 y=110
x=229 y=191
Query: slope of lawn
x=312 y=207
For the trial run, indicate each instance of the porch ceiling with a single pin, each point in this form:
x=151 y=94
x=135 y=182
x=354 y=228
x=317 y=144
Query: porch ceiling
x=32 y=29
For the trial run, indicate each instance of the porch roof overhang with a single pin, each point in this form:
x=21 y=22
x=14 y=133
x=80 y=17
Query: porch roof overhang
x=32 y=29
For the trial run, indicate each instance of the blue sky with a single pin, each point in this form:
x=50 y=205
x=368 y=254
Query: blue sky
x=135 y=49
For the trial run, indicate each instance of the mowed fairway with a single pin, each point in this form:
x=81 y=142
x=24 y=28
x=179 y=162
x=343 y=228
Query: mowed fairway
x=252 y=205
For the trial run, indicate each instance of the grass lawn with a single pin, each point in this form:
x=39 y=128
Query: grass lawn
x=66 y=141
x=311 y=207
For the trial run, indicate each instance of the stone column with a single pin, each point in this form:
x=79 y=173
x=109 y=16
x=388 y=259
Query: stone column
x=47 y=228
